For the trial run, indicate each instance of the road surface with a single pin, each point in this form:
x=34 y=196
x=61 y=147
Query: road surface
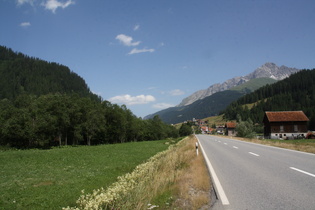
x=254 y=176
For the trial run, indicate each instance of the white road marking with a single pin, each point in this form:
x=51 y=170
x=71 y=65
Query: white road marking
x=235 y=147
x=253 y=154
x=304 y=172
x=273 y=147
x=215 y=178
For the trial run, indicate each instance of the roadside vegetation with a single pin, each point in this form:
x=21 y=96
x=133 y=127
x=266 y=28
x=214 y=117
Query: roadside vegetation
x=164 y=173
x=303 y=145
x=52 y=179
x=173 y=179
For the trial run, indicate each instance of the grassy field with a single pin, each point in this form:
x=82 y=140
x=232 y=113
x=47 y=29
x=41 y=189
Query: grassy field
x=218 y=120
x=52 y=179
x=176 y=178
x=304 y=145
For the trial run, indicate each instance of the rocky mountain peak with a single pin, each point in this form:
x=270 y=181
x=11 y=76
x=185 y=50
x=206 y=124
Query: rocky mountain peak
x=269 y=69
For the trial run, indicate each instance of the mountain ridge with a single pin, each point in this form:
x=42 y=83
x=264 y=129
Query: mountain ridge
x=290 y=94
x=269 y=69
x=210 y=105
x=209 y=102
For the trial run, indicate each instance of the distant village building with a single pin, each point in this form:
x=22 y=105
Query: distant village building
x=220 y=129
x=204 y=129
x=230 y=129
x=285 y=125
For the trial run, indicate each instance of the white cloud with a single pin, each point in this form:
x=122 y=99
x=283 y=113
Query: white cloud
x=127 y=40
x=152 y=88
x=53 y=5
x=21 y=2
x=25 y=24
x=161 y=44
x=132 y=100
x=135 y=51
x=176 y=92
x=184 y=67
x=162 y=106
x=136 y=27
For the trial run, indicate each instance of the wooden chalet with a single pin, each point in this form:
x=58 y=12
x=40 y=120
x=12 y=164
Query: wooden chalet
x=285 y=125
x=230 y=129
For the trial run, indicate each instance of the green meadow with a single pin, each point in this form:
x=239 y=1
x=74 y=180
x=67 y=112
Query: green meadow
x=52 y=179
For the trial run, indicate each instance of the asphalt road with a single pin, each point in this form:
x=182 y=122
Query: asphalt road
x=254 y=176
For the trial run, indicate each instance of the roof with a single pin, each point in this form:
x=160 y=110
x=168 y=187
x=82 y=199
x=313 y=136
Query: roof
x=230 y=125
x=286 y=116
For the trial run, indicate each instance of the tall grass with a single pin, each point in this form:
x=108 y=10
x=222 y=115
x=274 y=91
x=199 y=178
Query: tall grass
x=175 y=178
x=52 y=179
x=304 y=145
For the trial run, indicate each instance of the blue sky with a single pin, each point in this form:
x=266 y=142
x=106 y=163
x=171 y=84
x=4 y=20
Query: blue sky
x=151 y=54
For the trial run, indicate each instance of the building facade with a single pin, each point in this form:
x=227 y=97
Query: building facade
x=230 y=129
x=285 y=125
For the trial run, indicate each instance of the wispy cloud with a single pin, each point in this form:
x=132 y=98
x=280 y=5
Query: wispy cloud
x=162 y=105
x=176 y=92
x=184 y=67
x=161 y=44
x=21 y=2
x=136 y=27
x=25 y=24
x=53 y=5
x=152 y=88
x=135 y=51
x=132 y=100
x=126 y=40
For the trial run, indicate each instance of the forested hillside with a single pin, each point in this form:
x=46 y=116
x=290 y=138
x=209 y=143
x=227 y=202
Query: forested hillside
x=203 y=108
x=211 y=105
x=294 y=93
x=44 y=104
x=56 y=119
x=21 y=74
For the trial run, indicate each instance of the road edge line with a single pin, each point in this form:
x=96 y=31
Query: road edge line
x=215 y=178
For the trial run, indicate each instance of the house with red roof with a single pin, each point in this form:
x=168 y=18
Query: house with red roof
x=230 y=129
x=285 y=125
x=204 y=129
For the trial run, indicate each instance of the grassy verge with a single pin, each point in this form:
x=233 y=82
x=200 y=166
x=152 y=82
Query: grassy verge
x=173 y=179
x=190 y=185
x=193 y=183
x=304 y=145
x=52 y=179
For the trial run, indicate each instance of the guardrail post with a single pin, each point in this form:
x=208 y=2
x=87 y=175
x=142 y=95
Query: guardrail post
x=197 y=148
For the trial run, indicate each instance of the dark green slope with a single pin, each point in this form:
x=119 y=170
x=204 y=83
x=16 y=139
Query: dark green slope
x=211 y=105
x=206 y=107
x=20 y=74
x=296 y=92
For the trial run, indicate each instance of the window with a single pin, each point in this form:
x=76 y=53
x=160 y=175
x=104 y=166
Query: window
x=281 y=128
